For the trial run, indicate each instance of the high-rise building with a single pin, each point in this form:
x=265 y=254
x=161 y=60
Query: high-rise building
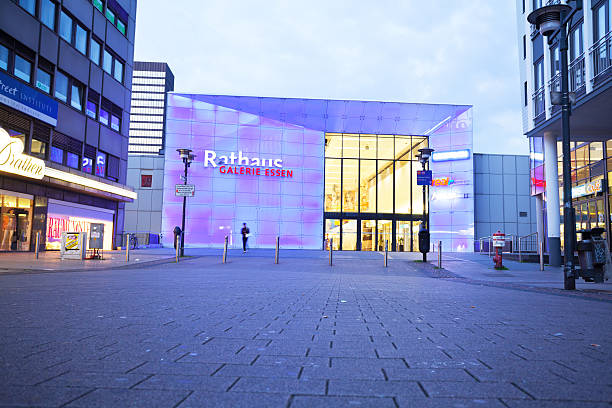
x=151 y=83
x=590 y=81
x=65 y=79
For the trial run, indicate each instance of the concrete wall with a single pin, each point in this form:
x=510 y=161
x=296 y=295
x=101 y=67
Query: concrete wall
x=502 y=197
x=144 y=214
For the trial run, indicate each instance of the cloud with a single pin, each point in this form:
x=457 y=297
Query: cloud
x=440 y=51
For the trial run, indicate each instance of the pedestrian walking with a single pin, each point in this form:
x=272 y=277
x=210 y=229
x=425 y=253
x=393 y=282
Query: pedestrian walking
x=245 y=236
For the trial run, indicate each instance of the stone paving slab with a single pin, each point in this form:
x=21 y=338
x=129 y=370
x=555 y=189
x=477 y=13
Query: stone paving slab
x=250 y=333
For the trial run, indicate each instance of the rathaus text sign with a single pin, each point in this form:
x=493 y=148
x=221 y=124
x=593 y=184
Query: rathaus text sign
x=240 y=164
x=12 y=159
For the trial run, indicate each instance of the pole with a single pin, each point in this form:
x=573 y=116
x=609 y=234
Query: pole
x=440 y=254
x=177 y=250
x=424 y=219
x=386 y=252
x=331 y=250
x=225 y=250
x=127 y=248
x=37 y=243
x=184 y=207
x=519 y=250
x=569 y=279
x=541 y=248
x=276 y=253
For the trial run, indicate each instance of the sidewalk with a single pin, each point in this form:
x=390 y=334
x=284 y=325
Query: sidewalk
x=477 y=267
x=12 y=262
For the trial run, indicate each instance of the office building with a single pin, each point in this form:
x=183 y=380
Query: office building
x=65 y=75
x=150 y=85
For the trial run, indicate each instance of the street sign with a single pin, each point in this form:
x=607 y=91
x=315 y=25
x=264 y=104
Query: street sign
x=184 y=190
x=424 y=177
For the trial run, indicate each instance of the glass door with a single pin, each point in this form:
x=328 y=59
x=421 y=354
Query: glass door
x=402 y=236
x=332 y=234
x=383 y=232
x=415 y=235
x=349 y=235
x=367 y=235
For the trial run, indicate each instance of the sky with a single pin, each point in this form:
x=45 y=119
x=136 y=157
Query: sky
x=435 y=51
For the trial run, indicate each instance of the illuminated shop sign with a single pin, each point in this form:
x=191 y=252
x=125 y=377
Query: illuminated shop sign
x=442 y=181
x=244 y=165
x=450 y=155
x=593 y=187
x=12 y=159
x=27 y=100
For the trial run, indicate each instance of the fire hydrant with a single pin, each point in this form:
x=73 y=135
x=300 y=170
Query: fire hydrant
x=499 y=239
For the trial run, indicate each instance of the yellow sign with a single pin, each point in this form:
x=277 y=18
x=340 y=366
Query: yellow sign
x=72 y=242
x=12 y=159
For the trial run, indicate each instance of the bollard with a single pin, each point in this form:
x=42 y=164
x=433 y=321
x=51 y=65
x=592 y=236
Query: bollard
x=519 y=250
x=276 y=253
x=386 y=252
x=37 y=243
x=177 y=247
x=541 y=248
x=490 y=244
x=127 y=248
x=225 y=250
x=439 y=254
x=331 y=250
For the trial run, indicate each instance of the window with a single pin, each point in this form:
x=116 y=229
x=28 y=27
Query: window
x=4 y=57
x=23 y=68
x=108 y=63
x=92 y=109
x=110 y=15
x=76 y=96
x=121 y=26
x=72 y=160
x=538 y=74
x=61 y=87
x=94 y=51
x=99 y=5
x=81 y=40
x=43 y=80
x=600 y=22
x=101 y=164
x=575 y=43
x=56 y=155
x=146 y=180
x=115 y=123
x=112 y=167
x=555 y=61
x=524 y=47
x=525 y=94
x=118 y=71
x=104 y=116
x=87 y=165
x=47 y=13
x=39 y=148
x=65 y=27
x=28 y=5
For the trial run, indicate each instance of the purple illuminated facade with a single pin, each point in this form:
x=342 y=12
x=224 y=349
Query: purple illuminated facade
x=262 y=161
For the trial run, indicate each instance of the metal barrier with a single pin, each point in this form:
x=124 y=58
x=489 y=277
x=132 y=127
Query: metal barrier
x=276 y=253
x=225 y=250
x=331 y=250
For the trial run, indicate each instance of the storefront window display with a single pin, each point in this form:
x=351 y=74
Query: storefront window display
x=16 y=221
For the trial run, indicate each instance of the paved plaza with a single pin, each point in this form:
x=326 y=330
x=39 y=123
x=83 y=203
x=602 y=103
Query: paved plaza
x=250 y=333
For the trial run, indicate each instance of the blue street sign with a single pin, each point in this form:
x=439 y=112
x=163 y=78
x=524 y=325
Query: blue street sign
x=424 y=177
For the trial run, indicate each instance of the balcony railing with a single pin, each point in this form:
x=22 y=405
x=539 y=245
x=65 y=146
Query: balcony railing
x=601 y=54
x=577 y=75
x=538 y=105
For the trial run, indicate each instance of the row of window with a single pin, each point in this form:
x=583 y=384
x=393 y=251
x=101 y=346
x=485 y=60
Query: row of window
x=112 y=11
x=61 y=86
x=77 y=35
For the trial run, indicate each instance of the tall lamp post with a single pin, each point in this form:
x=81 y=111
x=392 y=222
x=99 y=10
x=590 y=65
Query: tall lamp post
x=424 y=155
x=551 y=21
x=187 y=157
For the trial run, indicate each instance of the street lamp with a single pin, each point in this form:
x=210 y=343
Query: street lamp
x=423 y=156
x=187 y=157
x=551 y=20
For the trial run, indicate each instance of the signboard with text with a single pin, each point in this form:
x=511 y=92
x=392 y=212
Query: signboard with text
x=424 y=177
x=27 y=100
x=184 y=190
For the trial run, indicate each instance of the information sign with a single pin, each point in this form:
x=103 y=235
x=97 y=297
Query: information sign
x=424 y=177
x=184 y=190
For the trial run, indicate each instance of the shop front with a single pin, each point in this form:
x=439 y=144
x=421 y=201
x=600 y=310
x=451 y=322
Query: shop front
x=16 y=226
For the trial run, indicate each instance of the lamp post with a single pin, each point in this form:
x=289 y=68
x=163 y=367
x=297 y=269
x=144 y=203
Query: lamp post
x=552 y=20
x=187 y=157
x=424 y=155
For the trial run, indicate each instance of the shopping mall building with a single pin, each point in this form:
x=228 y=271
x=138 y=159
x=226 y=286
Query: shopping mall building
x=309 y=170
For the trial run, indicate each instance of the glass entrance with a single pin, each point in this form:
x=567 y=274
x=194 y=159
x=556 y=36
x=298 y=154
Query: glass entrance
x=332 y=234
x=15 y=222
x=349 y=235
x=402 y=236
x=383 y=233
x=367 y=235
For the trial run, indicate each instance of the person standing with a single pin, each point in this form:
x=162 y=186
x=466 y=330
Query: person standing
x=245 y=236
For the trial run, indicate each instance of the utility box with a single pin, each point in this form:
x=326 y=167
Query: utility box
x=96 y=236
x=74 y=245
x=592 y=255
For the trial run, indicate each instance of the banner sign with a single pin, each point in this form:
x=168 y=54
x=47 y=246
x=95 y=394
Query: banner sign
x=12 y=159
x=582 y=190
x=27 y=100
x=424 y=177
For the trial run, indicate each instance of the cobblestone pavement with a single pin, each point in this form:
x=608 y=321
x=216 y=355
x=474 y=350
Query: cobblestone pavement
x=300 y=334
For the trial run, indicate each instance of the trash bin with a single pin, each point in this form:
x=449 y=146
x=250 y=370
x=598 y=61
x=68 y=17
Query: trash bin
x=423 y=240
x=592 y=254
